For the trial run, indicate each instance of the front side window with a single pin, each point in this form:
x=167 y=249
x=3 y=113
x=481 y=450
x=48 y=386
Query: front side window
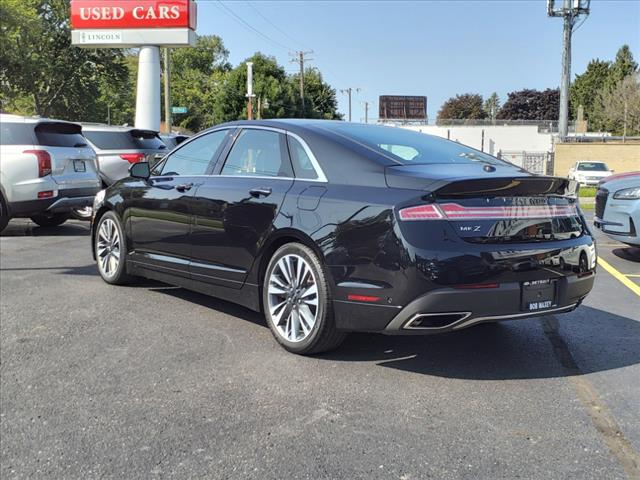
x=193 y=158
x=258 y=153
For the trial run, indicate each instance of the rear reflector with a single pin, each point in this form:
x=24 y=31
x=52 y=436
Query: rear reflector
x=47 y=194
x=362 y=298
x=44 y=161
x=454 y=211
x=477 y=285
x=132 y=157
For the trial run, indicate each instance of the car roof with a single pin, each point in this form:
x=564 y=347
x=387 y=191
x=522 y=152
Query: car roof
x=12 y=118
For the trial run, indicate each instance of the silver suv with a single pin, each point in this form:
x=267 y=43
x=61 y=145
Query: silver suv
x=47 y=170
x=118 y=148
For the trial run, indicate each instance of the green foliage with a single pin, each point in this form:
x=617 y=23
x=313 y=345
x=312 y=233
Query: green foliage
x=41 y=73
x=531 y=104
x=467 y=106
x=585 y=89
x=492 y=106
x=621 y=106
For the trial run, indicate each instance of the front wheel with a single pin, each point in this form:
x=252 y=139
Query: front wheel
x=297 y=301
x=111 y=249
x=50 y=220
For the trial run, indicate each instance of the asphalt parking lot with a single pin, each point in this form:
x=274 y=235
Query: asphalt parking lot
x=150 y=381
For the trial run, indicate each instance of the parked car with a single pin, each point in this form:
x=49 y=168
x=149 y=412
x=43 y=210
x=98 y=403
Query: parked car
x=172 y=140
x=119 y=147
x=46 y=170
x=589 y=173
x=332 y=227
x=618 y=208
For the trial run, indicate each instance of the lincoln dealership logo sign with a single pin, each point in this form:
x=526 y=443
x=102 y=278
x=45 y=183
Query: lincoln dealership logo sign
x=133 y=23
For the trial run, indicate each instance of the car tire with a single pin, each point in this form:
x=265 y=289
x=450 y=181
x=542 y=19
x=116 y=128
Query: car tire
x=4 y=214
x=110 y=248
x=297 y=302
x=50 y=220
x=83 y=214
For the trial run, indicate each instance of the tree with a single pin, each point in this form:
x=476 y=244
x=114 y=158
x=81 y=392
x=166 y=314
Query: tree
x=586 y=88
x=492 y=106
x=623 y=66
x=531 y=105
x=197 y=76
x=42 y=73
x=320 y=97
x=621 y=106
x=467 y=106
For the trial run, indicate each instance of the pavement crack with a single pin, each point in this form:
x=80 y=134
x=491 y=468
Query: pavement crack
x=603 y=420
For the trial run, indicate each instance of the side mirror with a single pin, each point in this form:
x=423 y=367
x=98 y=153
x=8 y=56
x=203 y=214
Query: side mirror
x=140 y=170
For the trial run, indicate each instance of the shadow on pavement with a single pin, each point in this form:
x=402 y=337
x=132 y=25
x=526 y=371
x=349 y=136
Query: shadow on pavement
x=629 y=253
x=503 y=351
x=90 y=270
x=29 y=229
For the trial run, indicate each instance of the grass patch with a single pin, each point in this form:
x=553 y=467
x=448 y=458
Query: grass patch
x=587 y=192
x=587 y=207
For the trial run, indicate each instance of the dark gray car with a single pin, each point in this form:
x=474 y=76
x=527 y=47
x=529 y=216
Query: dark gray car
x=117 y=148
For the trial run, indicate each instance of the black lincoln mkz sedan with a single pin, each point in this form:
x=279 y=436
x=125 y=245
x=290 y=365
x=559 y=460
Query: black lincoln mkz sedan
x=332 y=227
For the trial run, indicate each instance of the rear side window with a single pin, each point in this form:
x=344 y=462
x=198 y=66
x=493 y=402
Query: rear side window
x=60 y=135
x=127 y=140
x=302 y=165
x=16 y=133
x=258 y=153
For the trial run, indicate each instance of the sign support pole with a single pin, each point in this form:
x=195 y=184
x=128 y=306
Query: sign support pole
x=148 y=95
x=167 y=90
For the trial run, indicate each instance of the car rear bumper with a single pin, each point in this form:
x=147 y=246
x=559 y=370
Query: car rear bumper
x=65 y=201
x=450 y=309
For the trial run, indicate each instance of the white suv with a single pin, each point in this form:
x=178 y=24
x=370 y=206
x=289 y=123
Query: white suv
x=47 y=169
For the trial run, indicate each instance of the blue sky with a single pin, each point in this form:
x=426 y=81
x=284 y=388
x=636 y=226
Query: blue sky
x=432 y=48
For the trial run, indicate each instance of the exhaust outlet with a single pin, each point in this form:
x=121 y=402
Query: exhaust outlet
x=435 y=321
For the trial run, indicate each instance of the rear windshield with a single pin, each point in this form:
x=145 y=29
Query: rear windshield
x=409 y=147
x=128 y=140
x=593 y=167
x=60 y=135
x=16 y=133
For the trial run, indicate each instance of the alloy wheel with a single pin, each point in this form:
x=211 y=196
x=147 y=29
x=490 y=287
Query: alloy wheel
x=293 y=298
x=108 y=248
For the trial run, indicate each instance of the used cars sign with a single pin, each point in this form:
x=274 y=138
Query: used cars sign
x=94 y=14
x=99 y=23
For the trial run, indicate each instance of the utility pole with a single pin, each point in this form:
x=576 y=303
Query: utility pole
x=299 y=58
x=250 y=94
x=349 y=92
x=570 y=12
x=167 y=90
x=366 y=111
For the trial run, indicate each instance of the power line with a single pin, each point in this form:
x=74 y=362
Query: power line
x=273 y=24
x=250 y=27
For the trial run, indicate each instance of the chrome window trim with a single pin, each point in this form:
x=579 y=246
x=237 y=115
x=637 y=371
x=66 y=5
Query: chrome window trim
x=314 y=161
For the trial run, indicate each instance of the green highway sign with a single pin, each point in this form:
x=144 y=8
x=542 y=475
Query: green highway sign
x=179 y=109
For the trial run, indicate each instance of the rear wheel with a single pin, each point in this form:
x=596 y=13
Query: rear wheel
x=50 y=219
x=111 y=250
x=4 y=214
x=297 y=301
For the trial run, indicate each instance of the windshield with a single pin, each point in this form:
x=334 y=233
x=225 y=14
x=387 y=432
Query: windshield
x=593 y=167
x=125 y=140
x=410 y=147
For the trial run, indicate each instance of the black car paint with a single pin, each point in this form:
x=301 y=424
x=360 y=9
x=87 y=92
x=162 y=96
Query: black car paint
x=217 y=237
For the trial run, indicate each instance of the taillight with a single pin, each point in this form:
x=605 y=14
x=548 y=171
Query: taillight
x=44 y=161
x=132 y=157
x=454 y=211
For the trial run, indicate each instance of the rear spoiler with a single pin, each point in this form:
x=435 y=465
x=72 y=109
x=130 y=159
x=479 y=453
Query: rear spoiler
x=508 y=186
x=140 y=133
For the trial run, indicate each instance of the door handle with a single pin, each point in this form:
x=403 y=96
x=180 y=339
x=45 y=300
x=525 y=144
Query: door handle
x=260 y=192
x=184 y=187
